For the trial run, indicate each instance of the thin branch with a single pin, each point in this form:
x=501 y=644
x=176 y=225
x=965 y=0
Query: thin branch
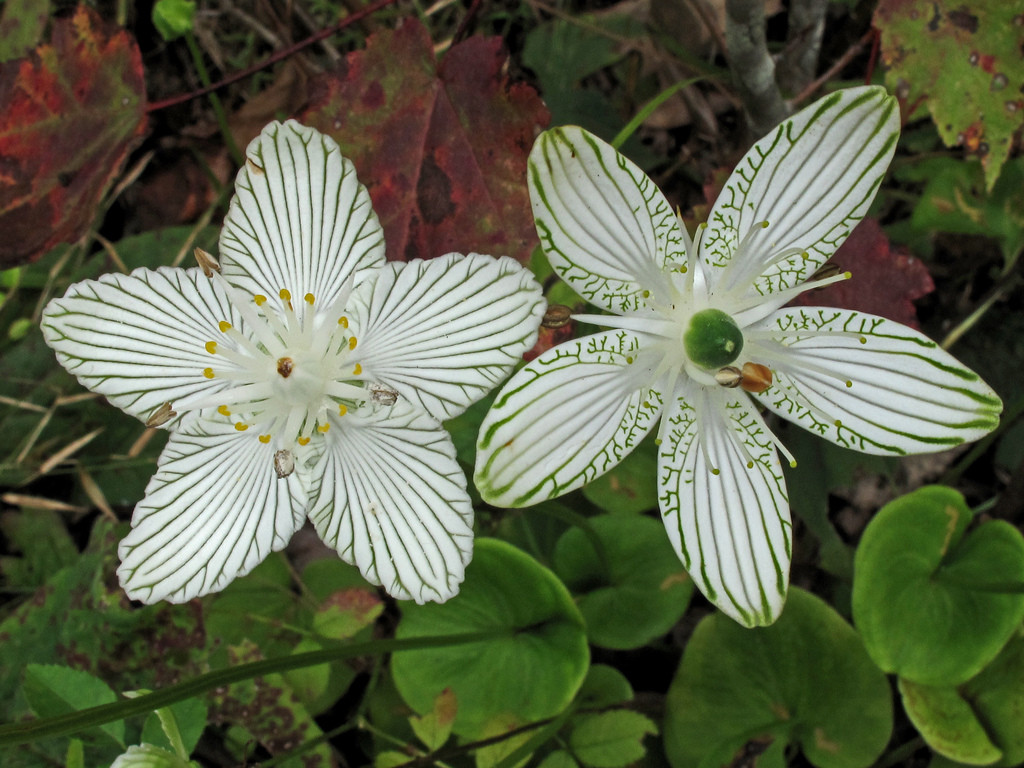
x=752 y=66
x=799 y=62
x=284 y=53
x=851 y=53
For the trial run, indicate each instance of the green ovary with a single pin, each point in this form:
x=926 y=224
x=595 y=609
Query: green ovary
x=713 y=339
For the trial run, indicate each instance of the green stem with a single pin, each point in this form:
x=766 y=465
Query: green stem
x=33 y=730
x=622 y=136
x=218 y=108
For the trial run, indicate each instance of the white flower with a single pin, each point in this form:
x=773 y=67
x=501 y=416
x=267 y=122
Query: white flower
x=701 y=337
x=306 y=377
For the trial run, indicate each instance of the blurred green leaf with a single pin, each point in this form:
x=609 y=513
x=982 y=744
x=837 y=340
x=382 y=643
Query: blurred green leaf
x=54 y=690
x=21 y=27
x=190 y=720
x=631 y=486
x=45 y=545
x=947 y=723
x=954 y=199
x=434 y=727
x=804 y=680
x=173 y=18
x=610 y=739
x=530 y=673
x=604 y=686
x=928 y=597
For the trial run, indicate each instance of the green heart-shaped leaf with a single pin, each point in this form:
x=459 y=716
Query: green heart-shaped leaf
x=935 y=605
x=532 y=670
x=642 y=592
x=803 y=680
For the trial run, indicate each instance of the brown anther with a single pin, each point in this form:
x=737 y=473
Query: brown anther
x=284 y=464
x=556 y=316
x=756 y=378
x=730 y=376
x=382 y=395
x=825 y=271
x=206 y=262
x=161 y=416
x=285 y=366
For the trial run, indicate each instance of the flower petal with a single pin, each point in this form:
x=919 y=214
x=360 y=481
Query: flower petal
x=444 y=332
x=213 y=511
x=566 y=418
x=299 y=220
x=812 y=180
x=390 y=497
x=871 y=384
x=139 y=339
x=604 y=225
x=724 y=502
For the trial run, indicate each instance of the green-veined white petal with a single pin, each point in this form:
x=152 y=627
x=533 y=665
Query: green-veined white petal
x=390 y=497
x=606 y=228
x=446 y=331
x=723 y=501
x=299 y=220
x=566 y=418
x=140 y=339
x=871 y=384
x=213 y=511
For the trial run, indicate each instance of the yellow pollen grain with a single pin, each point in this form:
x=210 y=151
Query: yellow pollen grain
x=716 y=472
x=342 y=410
x=211 y=347
x=224 y=326
x=792 y=464
x=352 y=342
x=838 y=423
x=849 y=383
x=322 y=429
x=264 y=439
x=308 y=298
x=863 y=340
x=357 y=370
x=646 y=294
x=764 y=225
x=303 y=441
x=343 y=322
x=285 y=295
x=260 y=299
x=750 y=465
x=657 y=441
x=208 y=373
x=241 y=427
x=223 y=410
x=629 y=360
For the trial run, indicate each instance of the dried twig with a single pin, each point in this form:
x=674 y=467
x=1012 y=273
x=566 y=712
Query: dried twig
x=752 y=66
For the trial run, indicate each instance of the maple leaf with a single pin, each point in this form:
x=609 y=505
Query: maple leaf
x=441 y=146
x=70 y=112
x=885 y=282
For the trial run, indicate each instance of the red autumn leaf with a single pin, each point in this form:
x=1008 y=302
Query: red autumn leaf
x=441 y=146
x=70 y=112
x=884 y=282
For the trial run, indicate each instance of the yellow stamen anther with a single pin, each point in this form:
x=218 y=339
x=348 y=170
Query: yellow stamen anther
x=241 y=427
x=322 y=429
x=342 y=410
x=211 y=347
x=223 y=410
x=303 y=441
x=224 y=326
x=260 y=299
x=285 y=295
x=343 y=322
x=309 y=298
x=357 y=370
x=208 y=373
x=352 y=342
x=264 y=439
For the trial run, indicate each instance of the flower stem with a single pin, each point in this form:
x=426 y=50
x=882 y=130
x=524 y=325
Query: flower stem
x=33 y=730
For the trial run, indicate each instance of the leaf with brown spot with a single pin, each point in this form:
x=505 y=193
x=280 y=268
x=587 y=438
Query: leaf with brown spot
x=441 y=145
x=962 y=61
x=70 y=112
x=885 y=282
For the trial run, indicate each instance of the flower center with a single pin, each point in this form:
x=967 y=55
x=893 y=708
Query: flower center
x=285 y=373
x=712 y=340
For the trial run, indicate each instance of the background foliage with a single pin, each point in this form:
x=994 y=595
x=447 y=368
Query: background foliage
x=582 y=640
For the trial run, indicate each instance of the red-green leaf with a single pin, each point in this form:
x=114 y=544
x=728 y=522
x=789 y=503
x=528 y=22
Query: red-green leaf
x=441 y=146
x=884 y=282
x=70 y=112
